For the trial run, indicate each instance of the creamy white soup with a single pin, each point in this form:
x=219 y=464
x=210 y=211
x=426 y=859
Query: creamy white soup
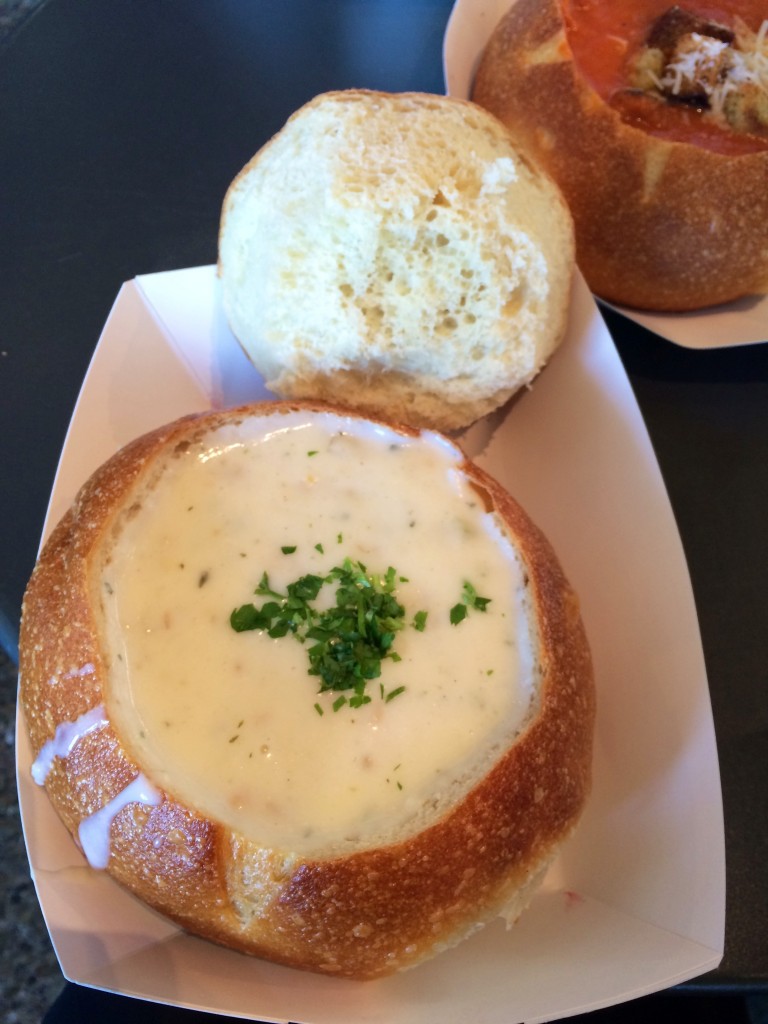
x=232 y=722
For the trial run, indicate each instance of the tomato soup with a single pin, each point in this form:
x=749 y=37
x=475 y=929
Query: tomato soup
x=604 y=37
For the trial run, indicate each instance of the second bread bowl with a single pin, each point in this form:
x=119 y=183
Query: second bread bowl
x=670 y=204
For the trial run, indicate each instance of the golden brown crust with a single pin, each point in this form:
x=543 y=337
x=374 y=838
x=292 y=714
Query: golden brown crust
x=659 y=225
x=361 y=915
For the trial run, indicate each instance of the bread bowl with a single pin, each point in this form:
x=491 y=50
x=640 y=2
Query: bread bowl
x=670 y=204
x=398 y=253
x=361 y=896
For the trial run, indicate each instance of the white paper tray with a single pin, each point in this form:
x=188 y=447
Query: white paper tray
x=636 y=902
x=744 y=322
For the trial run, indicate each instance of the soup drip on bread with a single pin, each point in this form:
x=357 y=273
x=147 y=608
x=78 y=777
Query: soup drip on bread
x=689 y=75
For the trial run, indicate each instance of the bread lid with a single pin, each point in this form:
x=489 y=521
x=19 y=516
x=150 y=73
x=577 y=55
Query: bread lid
x=398 y=253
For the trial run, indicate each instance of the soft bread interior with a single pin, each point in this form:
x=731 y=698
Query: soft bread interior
x=231 y=723
x=398 y=254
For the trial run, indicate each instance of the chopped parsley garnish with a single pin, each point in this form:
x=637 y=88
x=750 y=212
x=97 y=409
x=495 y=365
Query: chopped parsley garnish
x=473 y=599
x=393 y=693
x=469 y=599
x=288 y=549
x=420 y=621
x=458 y=613
x=347 y=641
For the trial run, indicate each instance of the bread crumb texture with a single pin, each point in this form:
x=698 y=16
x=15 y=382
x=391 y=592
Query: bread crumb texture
x=398 y=254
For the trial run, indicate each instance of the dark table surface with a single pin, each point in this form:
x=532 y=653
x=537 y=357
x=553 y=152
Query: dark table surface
x=121 y=124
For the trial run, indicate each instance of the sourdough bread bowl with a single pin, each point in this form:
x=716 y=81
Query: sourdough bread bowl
x=398 y=253
x=669 y=200
x=352 y=832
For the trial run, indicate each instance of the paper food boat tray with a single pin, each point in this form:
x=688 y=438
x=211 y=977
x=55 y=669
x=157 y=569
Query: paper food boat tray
x=636 y=901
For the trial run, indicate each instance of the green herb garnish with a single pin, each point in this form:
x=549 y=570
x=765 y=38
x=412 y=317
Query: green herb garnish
x=469 y=599
x=420 y=621
x=288 y=549
x=350 y=639
x=394 y=693
x=458 y=614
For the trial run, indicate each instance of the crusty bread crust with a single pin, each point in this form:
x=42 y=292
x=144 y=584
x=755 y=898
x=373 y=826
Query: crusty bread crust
x=659 y=224
x=362 y=915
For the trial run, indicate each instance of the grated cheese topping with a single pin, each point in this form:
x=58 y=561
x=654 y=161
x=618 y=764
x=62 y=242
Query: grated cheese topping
x=717 y=68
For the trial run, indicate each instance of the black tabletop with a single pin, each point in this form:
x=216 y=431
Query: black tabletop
x=121 y=124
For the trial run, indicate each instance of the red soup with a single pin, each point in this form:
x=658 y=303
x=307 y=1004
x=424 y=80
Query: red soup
x=605 y=36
